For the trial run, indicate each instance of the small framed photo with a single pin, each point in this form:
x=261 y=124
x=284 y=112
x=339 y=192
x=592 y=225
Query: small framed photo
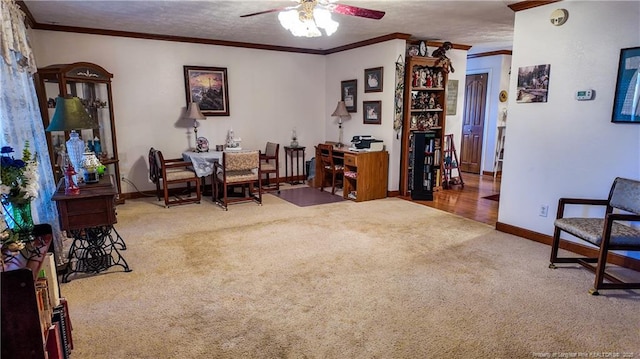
x=373 y=79
x=372 y=114
x=208 y=87
x=625 y=105
x=533 y=83
x=349 y=90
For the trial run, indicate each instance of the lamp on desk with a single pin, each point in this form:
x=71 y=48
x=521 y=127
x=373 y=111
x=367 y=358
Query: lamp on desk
x=71 y=115
x=193 y=112
x=342 y=114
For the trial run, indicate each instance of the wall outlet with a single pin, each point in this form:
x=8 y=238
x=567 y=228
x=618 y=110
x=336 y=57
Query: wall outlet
x=544 y=210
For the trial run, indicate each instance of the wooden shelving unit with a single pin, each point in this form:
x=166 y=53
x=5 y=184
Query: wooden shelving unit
x=424 y=112
x=31 y=326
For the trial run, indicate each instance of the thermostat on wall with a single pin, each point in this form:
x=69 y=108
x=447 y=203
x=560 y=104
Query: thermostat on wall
x=584 y=95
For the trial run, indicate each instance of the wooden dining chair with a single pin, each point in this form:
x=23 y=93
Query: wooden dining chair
x=168 y=172
x=237 y=169
x=330 y=169
x=270 y=165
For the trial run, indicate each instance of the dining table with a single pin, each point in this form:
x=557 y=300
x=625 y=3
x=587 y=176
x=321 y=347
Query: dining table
x=202 y=162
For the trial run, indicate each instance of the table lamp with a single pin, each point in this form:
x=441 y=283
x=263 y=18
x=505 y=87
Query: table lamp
x=71 y=115
x=193 y=112
x=342 y=114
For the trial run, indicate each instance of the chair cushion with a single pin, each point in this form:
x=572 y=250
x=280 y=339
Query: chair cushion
x=178 y=174
x=239 y=176
x=267 y=166
x=590 y=229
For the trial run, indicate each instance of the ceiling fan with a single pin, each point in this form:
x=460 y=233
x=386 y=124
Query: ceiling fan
x=307 y=16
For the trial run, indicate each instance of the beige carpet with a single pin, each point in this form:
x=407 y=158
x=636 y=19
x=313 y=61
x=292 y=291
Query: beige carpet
x=379 y=279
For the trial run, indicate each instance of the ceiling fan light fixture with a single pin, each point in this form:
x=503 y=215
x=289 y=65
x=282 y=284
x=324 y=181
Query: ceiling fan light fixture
x=300 y=23
x=324 y=21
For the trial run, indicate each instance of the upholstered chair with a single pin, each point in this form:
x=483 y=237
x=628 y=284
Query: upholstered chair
x=242 y=169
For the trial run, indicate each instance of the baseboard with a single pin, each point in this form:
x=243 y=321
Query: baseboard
x=490 y=173
x=393 y=193
x=574 y=247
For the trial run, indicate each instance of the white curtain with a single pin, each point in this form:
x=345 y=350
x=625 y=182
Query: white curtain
x=20 y=118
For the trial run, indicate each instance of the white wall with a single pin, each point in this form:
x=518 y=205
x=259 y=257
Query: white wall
x=349 y=65
x=564 y=147
x=453 y=124
x=497 y=68
x=270 y=93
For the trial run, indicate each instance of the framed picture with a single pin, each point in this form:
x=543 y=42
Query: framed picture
x=533 y=83
x=208 y=87
x=373 y=79
x=372 y=114
x=349 y=90
x=452 y=97
x=626 y=106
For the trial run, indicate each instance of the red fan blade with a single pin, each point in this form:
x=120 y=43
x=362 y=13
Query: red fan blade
x=355 y=11
x=269 y=11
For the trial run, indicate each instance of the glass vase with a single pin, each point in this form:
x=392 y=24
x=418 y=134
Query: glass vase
x=22 y=220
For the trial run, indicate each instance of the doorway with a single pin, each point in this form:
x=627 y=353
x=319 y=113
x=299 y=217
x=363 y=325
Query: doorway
x=475 y=102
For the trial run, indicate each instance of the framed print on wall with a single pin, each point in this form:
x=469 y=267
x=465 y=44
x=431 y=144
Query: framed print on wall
x=372 y=114
x=349 y=90
x=626 y=106
x=373 y=79
x=208 y=87
x=533 y=83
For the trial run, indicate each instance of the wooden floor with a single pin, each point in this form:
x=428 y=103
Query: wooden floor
x=468 y=202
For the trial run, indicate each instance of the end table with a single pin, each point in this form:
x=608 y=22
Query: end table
x=294 y=152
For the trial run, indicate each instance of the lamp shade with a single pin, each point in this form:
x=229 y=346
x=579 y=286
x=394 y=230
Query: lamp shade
x=194 y=112
x=341 y=111
x=70 y=115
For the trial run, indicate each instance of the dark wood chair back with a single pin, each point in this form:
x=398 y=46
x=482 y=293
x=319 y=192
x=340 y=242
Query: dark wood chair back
x=330 y=169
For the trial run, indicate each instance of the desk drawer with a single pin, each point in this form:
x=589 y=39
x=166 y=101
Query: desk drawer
x=350 y=160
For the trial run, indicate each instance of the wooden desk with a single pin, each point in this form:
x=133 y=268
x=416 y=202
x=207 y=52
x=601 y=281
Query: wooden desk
x=366 y=173
x=89 y=217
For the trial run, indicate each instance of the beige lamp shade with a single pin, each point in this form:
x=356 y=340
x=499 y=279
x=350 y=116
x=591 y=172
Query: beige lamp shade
x=341 y=111
x=193 y=112
x=70 y=115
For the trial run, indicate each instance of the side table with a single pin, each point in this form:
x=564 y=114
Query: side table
x=294 y=152
x=89 y=217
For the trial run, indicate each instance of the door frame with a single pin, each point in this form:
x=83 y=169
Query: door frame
x=487 y=117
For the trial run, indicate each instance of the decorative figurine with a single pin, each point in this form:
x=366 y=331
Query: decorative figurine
x=443 y=60
x=429 y=82
x=70 y=185
x=432 y=101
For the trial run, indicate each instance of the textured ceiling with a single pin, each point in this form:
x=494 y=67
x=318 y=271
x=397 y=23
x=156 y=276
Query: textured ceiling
x=486 y=25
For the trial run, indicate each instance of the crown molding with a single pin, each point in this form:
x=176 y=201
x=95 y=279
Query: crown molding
x=490 y=53
x=524 y=5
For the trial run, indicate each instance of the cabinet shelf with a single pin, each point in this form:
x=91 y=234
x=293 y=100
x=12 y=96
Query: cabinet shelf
x=427 y=88
x=426 y=110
